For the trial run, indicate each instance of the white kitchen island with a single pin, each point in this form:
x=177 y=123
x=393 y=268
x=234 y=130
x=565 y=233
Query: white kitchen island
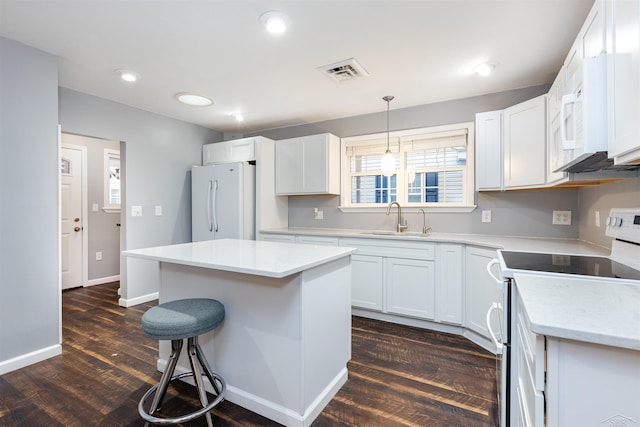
x=285 y=342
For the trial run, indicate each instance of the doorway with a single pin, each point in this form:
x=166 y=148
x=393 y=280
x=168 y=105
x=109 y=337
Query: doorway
x=90 y=229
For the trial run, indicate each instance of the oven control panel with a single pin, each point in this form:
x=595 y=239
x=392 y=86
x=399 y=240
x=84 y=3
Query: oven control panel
x=624 y=224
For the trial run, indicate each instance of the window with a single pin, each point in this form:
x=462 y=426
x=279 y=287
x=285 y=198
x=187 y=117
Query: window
x=434 y=169
x=111 y=180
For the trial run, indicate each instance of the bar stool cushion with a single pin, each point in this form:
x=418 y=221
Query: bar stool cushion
x=182 y=318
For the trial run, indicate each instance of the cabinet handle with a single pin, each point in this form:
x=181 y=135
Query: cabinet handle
x=567 y=144
x=498 y=280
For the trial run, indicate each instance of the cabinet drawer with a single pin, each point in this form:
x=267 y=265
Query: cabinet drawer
x=318 y=240
x=533 y=348
x=287 y=238
x=391 y=248
x=531 y=400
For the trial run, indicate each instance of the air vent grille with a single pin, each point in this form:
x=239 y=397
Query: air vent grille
x=349 y=69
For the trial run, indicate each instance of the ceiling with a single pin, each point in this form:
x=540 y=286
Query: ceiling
x=420 y=51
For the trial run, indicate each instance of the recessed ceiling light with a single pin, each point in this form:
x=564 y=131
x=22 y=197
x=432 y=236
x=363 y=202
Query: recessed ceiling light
x=193 y=99
x=128 y=75
x=484 y=69
x=275 y=22
x=238 y=116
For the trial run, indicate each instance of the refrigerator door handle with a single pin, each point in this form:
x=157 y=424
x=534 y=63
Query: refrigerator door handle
x=209 y=205
x=215 y=206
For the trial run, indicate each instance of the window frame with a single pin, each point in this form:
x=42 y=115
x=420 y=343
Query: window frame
x=107 y=206
x=398 y=144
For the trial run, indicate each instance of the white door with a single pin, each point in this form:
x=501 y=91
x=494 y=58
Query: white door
x=71 y=216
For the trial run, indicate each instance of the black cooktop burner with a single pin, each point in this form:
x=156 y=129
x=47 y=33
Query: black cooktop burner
x=569 y=264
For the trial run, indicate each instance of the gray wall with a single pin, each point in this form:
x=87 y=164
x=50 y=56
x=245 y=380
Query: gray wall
x=29 y=218
x=624 y=194
x=514 y=213
x=158 y=153
x=103 y=230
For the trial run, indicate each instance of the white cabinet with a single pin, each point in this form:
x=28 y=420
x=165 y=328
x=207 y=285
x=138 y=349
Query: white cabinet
x=481 y=290
x=366 y=282
x=449 y=283
x=308 y=165
x=555 y=151
x=238 y=150
x=286 y=238
x=410 y=287
x=489 y=151
x=623 y=76
x=524 y=138
x=318 y=240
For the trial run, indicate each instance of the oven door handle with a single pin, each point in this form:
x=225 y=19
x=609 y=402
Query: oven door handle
x=490 y=265
x=496 y=306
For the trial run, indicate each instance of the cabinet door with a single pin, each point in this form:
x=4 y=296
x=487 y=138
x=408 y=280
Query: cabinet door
x=287 y=238
x=623 y=77
x=555 y=151
x=410 y=287
x=525 y=139
x=289 y=166
x=366 y=282
x=489 y=150
x=449 y=296
x=481 y=290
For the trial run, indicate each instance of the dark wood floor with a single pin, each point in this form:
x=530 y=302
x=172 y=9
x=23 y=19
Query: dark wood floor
x=398 y=376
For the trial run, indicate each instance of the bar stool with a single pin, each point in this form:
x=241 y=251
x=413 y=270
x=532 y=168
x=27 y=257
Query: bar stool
x=175 y=321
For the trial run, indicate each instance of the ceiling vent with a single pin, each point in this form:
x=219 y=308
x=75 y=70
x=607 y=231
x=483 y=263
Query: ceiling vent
x=349 y=69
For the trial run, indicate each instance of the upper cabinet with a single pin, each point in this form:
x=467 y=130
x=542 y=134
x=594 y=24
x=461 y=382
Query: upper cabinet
x=511 y=147
x=237 y=150
x=489 y=151
x=524 y=138
x=555 y=152
x=308 y=165
x=623 y=77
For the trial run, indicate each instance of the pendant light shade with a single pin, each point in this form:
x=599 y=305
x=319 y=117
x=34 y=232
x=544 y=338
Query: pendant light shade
x=388 y=162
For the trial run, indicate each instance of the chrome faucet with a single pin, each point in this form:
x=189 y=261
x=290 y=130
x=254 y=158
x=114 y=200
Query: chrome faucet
x=400 y=227
x=425 y=229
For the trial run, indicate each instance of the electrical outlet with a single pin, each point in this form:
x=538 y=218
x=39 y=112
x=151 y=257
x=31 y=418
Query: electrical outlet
x=136 y=210
x=318 y=214
x=98 y=256
x=597 y=218
x=158 y=210
x=561 y=218
x=486 y=216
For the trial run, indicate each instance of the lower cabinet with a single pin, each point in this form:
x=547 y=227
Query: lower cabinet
x=287 y=238
x=366 y=282
x=481 y=290
x=410 y=287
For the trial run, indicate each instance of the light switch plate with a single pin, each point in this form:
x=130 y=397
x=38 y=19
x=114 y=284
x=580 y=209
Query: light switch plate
x=136 y=210
x=158 y=210
x=486 y=216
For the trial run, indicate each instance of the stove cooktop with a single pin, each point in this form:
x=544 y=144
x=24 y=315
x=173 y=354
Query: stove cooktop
x=593 y=266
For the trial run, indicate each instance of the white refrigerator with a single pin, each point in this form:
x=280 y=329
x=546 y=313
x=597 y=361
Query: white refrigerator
x=223 y=201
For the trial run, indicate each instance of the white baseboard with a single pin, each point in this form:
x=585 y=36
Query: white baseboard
x=103 y=280
x=24 y=360
x=130 y=302
x=271 y=410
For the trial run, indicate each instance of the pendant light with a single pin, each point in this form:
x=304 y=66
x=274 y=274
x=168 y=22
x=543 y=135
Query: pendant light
x=388 y=162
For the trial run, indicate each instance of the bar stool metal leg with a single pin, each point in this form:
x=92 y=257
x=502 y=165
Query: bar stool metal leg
x=197 y=376
x=176 y=348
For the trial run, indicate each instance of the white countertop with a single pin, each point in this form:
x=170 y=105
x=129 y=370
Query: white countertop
x=271 y=259
x=597 y=311
x=527 y=244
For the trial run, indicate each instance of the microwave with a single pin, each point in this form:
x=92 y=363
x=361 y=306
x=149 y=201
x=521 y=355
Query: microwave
x=583 y=117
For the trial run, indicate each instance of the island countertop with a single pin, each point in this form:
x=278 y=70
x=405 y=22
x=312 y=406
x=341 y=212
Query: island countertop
x=595 y=311
x=270 y=259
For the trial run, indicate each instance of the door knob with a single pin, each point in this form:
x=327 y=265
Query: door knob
x=76 y=219
x=77 y=229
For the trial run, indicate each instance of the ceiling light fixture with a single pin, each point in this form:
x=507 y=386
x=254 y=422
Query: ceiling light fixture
x=193 y=99
x=128 y=75
x=275 y=22
x=238 y=116
x=388 y=162
x=484 y=69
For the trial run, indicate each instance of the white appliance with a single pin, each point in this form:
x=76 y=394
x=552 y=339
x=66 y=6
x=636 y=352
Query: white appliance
x=223 y=201
x=623 y=264
x=583 y=118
